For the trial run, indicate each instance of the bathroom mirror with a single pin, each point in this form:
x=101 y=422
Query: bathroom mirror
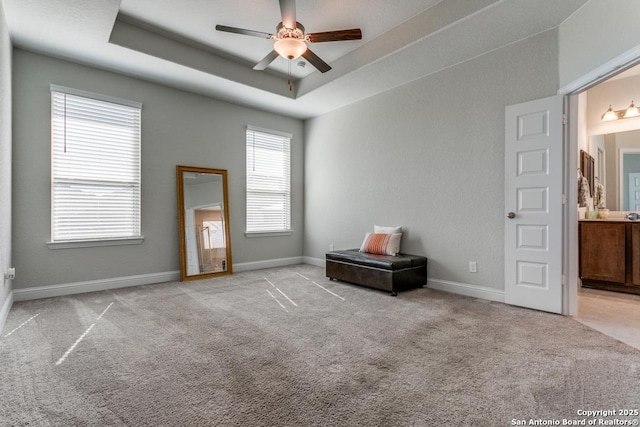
x=617 y=160
x=203 y=222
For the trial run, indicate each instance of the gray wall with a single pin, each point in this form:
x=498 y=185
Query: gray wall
x=428 y=156
x=200 y=194
x=177 y=128
x=597 y=33
x=5 y=159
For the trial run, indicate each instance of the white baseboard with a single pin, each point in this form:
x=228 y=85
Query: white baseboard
x=268 y=263
x=148 y=279
x=4 y=311
x=466 y=289
x=49 y=291
x=442 y=285
x=318 y=262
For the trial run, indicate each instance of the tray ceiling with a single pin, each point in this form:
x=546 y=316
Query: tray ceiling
x=175 y=43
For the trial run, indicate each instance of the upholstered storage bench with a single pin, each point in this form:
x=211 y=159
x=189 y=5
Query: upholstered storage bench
x=383 y=272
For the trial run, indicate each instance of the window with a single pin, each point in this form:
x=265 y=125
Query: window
x=268 y=181
x=95 y=168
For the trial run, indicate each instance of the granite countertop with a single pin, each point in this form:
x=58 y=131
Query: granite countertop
x=608 y=220
x=612 y=216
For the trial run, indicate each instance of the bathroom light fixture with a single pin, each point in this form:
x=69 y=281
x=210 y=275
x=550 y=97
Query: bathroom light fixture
x=611 y=114
x=632 y=111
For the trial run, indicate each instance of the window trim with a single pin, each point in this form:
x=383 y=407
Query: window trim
x=71 y=244
x=93 y=95
x=99 y=242
x=267 y=233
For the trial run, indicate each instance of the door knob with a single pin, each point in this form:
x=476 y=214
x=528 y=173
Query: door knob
x=511 y=215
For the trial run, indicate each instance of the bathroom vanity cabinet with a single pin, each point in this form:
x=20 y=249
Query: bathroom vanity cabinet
x=610 y=255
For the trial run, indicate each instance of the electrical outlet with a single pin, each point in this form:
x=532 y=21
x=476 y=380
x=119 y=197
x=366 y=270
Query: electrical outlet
x=473 y=267
x=10 y=274
x=331 y=247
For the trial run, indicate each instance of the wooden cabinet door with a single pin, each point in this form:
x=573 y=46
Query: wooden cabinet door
x=602 y=251
x=635 y=254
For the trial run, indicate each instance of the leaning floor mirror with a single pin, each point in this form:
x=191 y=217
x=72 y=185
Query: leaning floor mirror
x=203 y=222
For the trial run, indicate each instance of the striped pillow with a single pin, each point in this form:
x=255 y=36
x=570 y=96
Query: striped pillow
x=381 y=243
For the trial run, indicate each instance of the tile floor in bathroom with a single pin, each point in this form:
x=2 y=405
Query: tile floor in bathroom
x=612 y=313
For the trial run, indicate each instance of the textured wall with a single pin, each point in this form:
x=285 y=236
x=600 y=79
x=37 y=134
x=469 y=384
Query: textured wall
x=595 y=34
x=429 y=156
x=5 y=158
x=177 y=128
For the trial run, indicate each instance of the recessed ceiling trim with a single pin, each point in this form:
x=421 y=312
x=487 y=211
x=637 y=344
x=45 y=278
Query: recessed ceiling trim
x=144 y=38
x=179 y=47
x=437 y=18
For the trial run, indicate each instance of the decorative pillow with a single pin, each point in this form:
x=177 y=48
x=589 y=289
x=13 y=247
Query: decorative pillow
x=387 y=230
x=381 y=243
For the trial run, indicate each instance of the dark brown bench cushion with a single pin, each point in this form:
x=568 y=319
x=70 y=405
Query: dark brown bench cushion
x=385 y=272
x=386 y=262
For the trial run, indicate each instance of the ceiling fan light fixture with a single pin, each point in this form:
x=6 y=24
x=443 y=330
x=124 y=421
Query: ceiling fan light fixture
x=290 y=48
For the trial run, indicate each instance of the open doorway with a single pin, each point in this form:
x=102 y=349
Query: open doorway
x=607 y=155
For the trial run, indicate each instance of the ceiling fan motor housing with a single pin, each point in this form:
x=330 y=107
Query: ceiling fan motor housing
x=283 y=32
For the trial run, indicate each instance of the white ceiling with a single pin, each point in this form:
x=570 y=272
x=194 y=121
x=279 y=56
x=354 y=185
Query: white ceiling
x=175 y=43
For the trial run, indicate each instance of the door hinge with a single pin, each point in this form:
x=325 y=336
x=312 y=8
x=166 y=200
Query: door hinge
x=564 y=199
x=564 y=119
x=563 y=280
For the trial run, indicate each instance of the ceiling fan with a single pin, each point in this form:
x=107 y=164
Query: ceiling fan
x=291 y=40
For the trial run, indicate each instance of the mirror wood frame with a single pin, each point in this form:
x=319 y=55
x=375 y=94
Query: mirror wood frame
x=180 y=172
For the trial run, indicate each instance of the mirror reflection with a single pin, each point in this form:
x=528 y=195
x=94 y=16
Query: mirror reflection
x=617 y=168
x=205 y=246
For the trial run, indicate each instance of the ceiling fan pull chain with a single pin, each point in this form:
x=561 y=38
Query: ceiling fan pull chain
x=289 y=81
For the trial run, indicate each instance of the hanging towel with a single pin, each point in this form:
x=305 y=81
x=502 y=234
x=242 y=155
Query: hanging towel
x=583 y=190
x=599 y=199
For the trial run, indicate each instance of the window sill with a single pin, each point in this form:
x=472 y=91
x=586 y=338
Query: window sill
x=267 y=233
x=71 y=244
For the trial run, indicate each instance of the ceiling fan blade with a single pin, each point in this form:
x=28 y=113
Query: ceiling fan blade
x=315 y=60
x=335 y=36
x=288 y=11
x=264 y=63
x=244 y=32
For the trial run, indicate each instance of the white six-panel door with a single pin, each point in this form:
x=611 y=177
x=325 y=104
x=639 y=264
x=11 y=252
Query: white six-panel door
x=533 y=202
x=634 y=192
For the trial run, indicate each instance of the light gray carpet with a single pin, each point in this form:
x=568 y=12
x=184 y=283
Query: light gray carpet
x=236 y=351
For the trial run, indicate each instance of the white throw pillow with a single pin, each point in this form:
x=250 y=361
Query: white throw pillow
x=387 y=230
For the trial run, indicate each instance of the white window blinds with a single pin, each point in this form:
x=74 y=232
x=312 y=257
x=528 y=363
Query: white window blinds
x=268 y=181
x=95 y=167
